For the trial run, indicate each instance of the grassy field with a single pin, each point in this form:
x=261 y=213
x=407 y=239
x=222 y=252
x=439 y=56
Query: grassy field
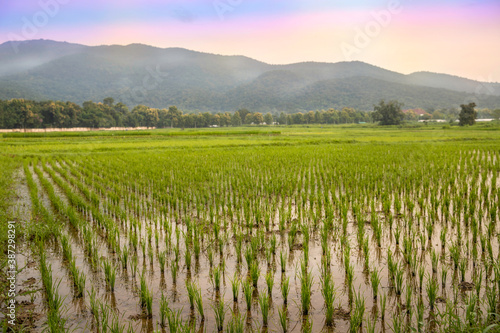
x=297 y=229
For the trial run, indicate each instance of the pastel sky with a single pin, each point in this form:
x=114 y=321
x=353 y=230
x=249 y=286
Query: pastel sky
x=459 y=37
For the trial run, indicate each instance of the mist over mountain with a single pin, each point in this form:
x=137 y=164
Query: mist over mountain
x=140 y=74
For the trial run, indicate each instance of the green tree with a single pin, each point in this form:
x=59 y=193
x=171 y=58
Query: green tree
x=243 y=114
x=268 y=118
x=389 y=113
x=468 y=114
x=496 y=114
x=249 y=118
x=236 y=119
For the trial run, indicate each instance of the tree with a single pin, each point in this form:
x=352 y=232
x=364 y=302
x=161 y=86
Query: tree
x=249 y=118
x=236 y=119
x=496 y=114
x=268 y=118
x=243 y=114
x=258 y=118
x=388 y=114
x=468 y=114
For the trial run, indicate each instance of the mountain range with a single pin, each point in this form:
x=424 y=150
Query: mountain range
x=161 y=77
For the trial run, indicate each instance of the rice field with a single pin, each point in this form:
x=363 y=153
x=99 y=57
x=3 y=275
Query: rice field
x=295 y=230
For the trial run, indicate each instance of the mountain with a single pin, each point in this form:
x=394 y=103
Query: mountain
x=141 y=74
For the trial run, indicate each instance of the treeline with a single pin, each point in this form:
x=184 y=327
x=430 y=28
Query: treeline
x=20 y=113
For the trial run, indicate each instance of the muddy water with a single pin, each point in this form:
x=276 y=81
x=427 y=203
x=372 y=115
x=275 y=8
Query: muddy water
x=125 y=297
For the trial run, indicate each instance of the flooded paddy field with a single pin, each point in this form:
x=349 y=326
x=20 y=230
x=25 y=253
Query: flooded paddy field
x=298 y=234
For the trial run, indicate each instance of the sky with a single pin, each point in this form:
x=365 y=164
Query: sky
x=460 y=37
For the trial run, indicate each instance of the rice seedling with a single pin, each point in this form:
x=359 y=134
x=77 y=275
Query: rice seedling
x=306 y=282
x=375 y=282
x=199 y=303
x=254 y=273
x=383 y=304
x=264 y=307
x=248 y=292
x=220 y=313
x=431 y=289
x=270 y=282
x=236 y=324
x=162 y=256
x=285 y=289
x=235 y=286
x=191 y=290
x=164 y=309
x=283 y=262
x=357 y=314
x=216 y=278
x=283 y=319
x=110 y=274
x=175 y=321
x=328 y=291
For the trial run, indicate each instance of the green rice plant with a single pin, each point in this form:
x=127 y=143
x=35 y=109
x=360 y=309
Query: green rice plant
x=236 y=324
x=162 y=256
x=285 y=290
x=220 y=313
x=328 y=291
x=254 y=273
x=307 y=325
x=463 y=269
x=409 y=294
x=216 y=278
x=187 y=259
x=164 y=309
x=421 y=272
x=383 y=304
x=375 y=282
x=420 y=316
x=272 y=244
x=110 y=274
x=124 y=257
x=283 y=319
x=434 y=261
x=492 y=299
x=175 y=321
x=370 y=325
x=235 y=286
x=357 y=314
x=264 y=307
x=397 y=324
x=191 y=290
x=199 y=302
x=306 y=282
x=398 y=279
x=444 y=273
x=270 y=282
x=248 y=292
x=94 y=303
x=350 y=278
x=173 y=269
x=282 y=262
x=79 y=280
x=431 y=289
x=210 y=255
x=249 y=257
x=146 y=297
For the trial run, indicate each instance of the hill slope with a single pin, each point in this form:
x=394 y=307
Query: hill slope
x=141 y=74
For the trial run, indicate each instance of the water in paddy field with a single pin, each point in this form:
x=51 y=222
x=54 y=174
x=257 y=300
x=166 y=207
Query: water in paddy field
x=150 y=227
